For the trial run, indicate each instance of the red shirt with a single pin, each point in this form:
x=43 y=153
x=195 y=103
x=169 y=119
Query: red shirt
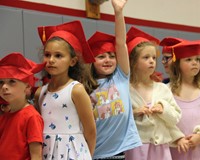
x=17 y=130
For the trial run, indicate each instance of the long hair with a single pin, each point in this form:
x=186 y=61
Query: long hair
x=133 y=58
x=90 y=81
x=77 y=72
x=176 y=78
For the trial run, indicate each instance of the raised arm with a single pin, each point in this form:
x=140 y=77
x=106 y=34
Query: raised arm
x=120 y=34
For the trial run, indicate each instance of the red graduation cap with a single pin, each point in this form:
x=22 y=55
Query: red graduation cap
x=168 y=42
x=71 y=32
x=186 y=49
x=101 y=43
x=136 y=36
x=16 y=66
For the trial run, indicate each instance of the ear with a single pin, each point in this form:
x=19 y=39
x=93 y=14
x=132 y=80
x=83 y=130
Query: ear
x=73 y=61
x=28 y=90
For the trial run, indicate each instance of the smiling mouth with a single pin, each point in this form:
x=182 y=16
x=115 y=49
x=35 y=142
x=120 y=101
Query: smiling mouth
x=107 y=66
x=194 y=68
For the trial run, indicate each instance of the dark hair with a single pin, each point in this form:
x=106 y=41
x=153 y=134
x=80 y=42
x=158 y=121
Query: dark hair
x=76 y=71
x=79 y=71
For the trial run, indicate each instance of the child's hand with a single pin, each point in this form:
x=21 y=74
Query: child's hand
x=142 y=111
x=194 y=140
x=157 y=108
x=183 y=145
x=118 y=5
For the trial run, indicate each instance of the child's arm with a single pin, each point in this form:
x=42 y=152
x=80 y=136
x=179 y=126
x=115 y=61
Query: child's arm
x=120 y=35
x=36 y=98
x=35 y=149
x=84 y=109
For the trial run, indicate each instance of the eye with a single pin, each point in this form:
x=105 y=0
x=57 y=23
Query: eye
x=100 y=56
x=188 y=59
x=146 y=57
x=154 y=57
x=198 y=59
x=1 y=83
x=58 y=55
x=112 y=56
x=11 y=81
x=47 y=55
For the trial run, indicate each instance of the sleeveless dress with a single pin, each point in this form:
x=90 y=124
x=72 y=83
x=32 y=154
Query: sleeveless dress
x=63 y=132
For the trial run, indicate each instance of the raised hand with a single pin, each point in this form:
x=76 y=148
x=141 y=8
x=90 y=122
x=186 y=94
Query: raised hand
x=118 y=5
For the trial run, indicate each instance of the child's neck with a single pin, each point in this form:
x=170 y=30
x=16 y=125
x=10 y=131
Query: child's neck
x=58 y=84
x=145 y=89
x=18 y=106
x=145 y=82
x=189 y=91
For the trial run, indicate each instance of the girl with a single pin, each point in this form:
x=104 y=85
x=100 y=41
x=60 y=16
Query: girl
x=116 y=130
x=21 y=125
x=167 y=44
x=185 y=85
x=69 y=126
x=155 y=110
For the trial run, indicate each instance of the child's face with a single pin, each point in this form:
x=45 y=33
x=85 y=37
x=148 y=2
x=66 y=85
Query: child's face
x=12 y=90
x=105 y=64
x=58 y=58
x=167 y=61
x=146 y=61
x=190 y=66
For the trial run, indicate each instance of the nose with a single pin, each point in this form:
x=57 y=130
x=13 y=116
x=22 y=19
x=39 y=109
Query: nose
x=107 y=58
x=4 y=87
x=51 y=59
x=152 y=60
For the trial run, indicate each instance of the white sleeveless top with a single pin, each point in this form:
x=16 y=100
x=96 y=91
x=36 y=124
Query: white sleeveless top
x=63 y=132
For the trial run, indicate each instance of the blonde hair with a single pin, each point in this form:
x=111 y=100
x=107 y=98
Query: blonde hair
x=134 y=56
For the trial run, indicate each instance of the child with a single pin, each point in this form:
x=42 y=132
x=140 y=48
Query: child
x=4 y=106
x=21 y=125
x=167 y=44
x=116 y=130
x=155 y=110
x=185 y=85
x=69 y=126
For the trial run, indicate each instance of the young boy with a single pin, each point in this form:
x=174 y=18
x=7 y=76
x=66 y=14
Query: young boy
x=21 y=125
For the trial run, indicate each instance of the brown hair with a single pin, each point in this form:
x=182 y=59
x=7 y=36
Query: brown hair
x=77 y=72
x=176 y=78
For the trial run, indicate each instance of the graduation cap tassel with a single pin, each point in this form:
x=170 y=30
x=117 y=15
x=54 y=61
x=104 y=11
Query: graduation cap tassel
x=43 y=35
x=173 y=55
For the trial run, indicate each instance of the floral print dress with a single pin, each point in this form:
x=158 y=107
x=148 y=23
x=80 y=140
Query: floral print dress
x=63 y=132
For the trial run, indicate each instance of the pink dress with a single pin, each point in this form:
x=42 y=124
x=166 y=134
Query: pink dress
x=149 y=152
x=190 y=118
